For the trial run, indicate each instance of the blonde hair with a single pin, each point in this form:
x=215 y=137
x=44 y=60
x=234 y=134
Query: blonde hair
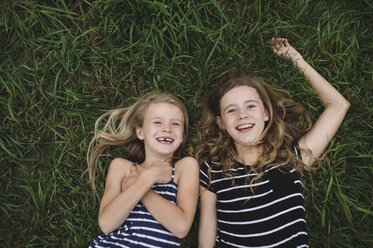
x=120 y=129
x=288 y=122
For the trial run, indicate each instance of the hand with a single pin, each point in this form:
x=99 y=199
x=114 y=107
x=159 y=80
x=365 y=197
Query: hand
x=160 y=172
x=128 y=180
x=281 y=47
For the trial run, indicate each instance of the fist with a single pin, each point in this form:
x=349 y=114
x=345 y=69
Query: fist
x=160 y=172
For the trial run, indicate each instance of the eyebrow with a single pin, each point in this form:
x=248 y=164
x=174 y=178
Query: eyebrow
x=162 y=118
x=233 y=104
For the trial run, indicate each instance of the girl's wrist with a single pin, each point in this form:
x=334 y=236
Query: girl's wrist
x=297 y=58
x=300 y=62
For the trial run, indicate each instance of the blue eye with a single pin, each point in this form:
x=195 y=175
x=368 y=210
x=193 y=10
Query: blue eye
x=176 y=124
x=231 y=110
x=251 y=106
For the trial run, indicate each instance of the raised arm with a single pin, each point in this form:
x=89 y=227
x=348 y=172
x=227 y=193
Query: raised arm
x=335 y=105
x=177 y=218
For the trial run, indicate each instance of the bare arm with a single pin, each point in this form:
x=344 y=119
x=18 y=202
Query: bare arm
x=335 y=105
x=118 y=201
x=177 y=218
x=207 y=228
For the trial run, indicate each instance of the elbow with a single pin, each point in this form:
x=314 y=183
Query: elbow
x=104 y=226
x=181 y=235
x=342 y=106
x=347 y=105
x=182 y=232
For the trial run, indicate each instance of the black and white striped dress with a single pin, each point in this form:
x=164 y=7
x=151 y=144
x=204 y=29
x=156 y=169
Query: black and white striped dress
x=271 y=216
x=140 y=229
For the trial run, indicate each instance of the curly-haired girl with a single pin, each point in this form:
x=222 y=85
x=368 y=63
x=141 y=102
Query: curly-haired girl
x=254 y=147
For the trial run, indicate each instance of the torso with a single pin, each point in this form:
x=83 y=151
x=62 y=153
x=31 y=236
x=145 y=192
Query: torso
x=272 y=215
x=140 y=228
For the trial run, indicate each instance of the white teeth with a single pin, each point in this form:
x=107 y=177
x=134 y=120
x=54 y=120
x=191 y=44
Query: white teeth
x=245 y=126
x=165 y=139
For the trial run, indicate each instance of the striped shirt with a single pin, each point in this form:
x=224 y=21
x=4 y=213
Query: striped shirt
x=140 y=229
x=270 y=214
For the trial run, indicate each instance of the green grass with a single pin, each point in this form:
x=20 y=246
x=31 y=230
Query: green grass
x=62 y=63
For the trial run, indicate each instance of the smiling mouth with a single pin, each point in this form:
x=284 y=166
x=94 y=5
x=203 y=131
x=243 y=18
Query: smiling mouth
x=244 y=127
x=166 y=140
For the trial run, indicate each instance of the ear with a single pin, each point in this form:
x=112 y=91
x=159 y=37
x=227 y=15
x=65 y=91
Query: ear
x=139 y=133
x=266 y=115
x=219 y=122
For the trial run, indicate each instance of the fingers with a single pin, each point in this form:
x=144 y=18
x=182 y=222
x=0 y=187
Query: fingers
x=133 y=171
x=286 y=42
x=275 y=49
x=280 y=42
x=129 y=179
x=281 y=46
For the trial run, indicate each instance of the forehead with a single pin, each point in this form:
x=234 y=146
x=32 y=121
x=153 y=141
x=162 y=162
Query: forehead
x=164 y=110
x=239 y=95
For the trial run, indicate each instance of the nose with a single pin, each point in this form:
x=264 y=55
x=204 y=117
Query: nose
x=166 y=128
x=242 y=114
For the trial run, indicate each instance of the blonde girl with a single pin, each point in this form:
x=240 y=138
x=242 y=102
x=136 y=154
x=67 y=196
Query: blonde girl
x=254 y=147
x=149 y=199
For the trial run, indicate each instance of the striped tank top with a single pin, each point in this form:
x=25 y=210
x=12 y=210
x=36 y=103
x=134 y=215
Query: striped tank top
x=140 y=229
x=269 y=214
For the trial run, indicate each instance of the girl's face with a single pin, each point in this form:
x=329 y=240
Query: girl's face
x=162 y=130
x=243 y=115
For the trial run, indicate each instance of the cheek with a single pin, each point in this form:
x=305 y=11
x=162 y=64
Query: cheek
x=229 y=127
x=182 y=133
x=230 y=123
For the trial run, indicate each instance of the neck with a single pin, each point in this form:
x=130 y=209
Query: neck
x=149 y=160
x=248 y=155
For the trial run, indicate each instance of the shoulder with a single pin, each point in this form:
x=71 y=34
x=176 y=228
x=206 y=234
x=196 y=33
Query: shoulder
x=120 y=162
x=297 y=150
x=120 y=167
x=185 y=167
x=215 y=166
x=210 y=171
x=187 y=162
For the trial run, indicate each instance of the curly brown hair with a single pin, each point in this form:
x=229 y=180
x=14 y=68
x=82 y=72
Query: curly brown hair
x=288 y=122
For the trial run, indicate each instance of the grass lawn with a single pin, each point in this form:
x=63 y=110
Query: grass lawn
x=64 y=62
